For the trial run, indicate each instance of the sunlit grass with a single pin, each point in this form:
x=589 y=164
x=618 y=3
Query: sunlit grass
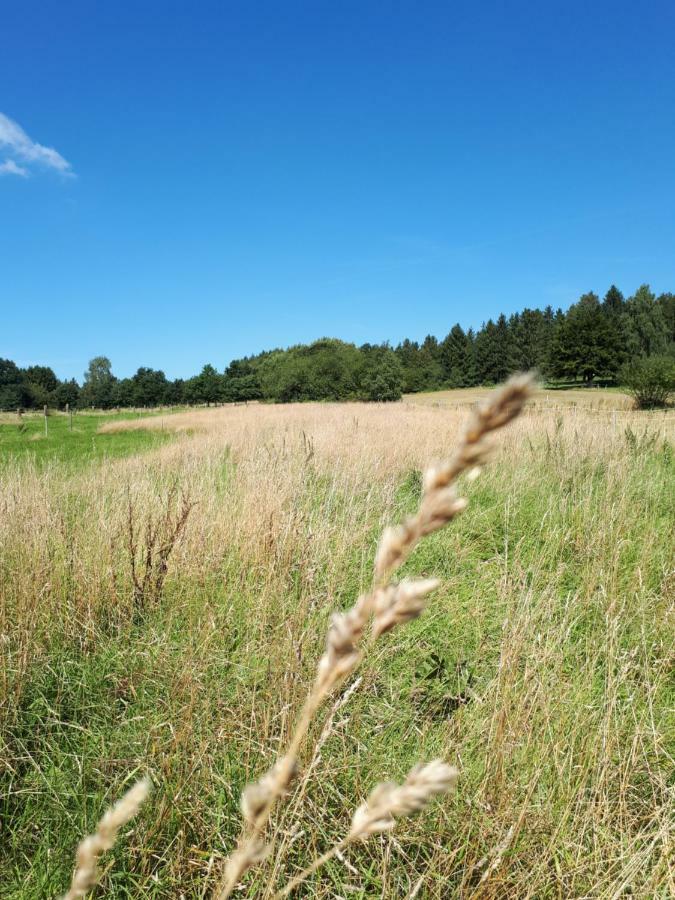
x=541 y=667
x=73 y=440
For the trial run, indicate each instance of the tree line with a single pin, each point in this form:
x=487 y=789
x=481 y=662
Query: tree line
x=593 y=341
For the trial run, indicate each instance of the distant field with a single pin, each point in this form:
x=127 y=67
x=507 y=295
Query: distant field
x=587 y=398
x=542 y=667
x=24 y=437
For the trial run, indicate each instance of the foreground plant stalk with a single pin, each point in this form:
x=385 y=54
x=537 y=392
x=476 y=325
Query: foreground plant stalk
x=388 y=603
x=386 y=803
x=86 y=873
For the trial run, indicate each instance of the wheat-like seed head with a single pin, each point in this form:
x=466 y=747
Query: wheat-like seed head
x=390 y=801
x=239 y=862
x=85 y=875
x=439 y=502
x=390 y=605
x=342 y=654
x=500 y=408
x=399 y=603
x=256 y=796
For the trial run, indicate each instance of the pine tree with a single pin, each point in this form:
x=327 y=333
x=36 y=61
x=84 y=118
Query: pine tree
x=530 y=331
x=454 y=358
x=487 y=362
x=614 y=301
x=408 y=353
x=585 y=343
x=470 y=365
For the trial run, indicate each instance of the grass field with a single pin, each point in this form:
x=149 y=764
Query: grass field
x=542 y=667
x=597 y=399
x=75 y=441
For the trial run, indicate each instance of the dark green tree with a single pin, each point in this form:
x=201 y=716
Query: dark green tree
x=40 y=384
x=67 y=394
x=175 y=392
x=242 y=381
x=431 y=370
x=585 y=344
x=495 y=351
x=454 y=358
x=613 y=302
x=667 y=305
x=646 y=328
x=123 y=393
x=408 y=355
x=149 y=387
x=651 y=380
x=470 y=367
x=381 y=377
x=531 y=335
x=41 y=376
x=207 y=387
x=13 y=392
x=99 y=381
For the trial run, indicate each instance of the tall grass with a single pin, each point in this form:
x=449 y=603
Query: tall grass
x=541 y=668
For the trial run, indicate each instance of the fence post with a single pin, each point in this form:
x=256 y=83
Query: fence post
x=45 y=412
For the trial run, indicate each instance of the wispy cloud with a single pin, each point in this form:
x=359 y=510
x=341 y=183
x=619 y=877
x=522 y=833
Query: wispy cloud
x=9 y=167
x=24 y=155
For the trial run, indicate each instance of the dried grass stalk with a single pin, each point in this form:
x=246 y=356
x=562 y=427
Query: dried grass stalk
x=388 y=604
x=86 y=872
x=439 y=503
x=387 y=803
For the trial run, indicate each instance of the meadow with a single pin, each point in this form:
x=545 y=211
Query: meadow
x=72 y=440
x=166 y=584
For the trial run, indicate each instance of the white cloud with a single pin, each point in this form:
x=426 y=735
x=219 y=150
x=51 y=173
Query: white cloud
x=9 y=167
x=16 y=143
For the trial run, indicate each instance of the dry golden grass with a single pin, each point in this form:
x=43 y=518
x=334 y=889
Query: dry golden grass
x=388 y=604
x=597 y=399
x=542 y=668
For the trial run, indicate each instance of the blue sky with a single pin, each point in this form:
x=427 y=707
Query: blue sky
x=192 y=182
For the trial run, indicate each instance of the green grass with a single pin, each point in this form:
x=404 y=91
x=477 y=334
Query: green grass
x=25 y=438
x=540 y=668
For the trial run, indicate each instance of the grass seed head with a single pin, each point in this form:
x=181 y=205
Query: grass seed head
x=86 y=874
x=389 y=801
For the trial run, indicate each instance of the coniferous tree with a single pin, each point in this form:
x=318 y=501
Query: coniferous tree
x=505 y=350
x=408 y=353
x=584 y=344
x=485 y=344
x=592 y=340
x=613 y=301
x=549 y=325
x=495 y=353
x=430 y=361
x=453 y=355
x=470 y=366
x=531 y=337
